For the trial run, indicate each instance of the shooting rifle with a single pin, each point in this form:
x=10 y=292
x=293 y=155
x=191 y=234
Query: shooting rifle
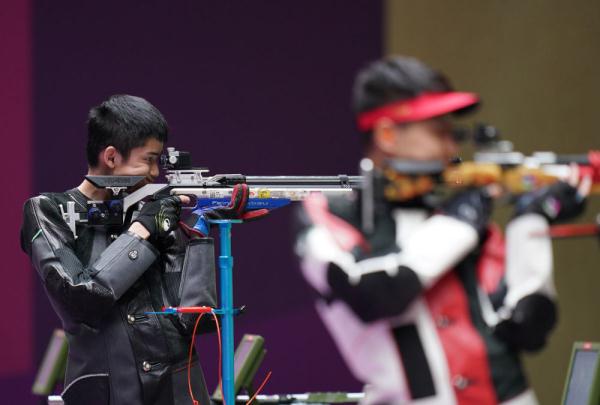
x=495 y=162
x=265 y=192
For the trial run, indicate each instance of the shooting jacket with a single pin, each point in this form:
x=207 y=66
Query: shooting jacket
x=424 y=312
x=102 y=284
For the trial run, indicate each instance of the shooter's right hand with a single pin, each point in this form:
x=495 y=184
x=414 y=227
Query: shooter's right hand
x=560 y=201
x=161 y=216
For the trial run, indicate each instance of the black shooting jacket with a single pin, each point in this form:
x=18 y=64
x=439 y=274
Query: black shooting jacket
x=101 y=284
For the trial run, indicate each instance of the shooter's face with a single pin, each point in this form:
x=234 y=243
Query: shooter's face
x=424 y=140
x=142 y=161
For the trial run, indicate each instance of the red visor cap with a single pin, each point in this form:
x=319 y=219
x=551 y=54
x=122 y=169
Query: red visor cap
x=422 y=107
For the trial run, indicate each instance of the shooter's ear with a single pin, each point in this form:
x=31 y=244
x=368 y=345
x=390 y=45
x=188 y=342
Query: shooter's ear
x=110 y=156
x=384 y=135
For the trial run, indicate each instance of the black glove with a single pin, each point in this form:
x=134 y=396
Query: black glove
x=473 y=206
x=161 y=216
x=197 y=224
x=557 y=202
x=530 y=323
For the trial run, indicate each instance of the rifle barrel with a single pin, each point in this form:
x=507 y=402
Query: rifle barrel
x=305 y=181
x=567 y=159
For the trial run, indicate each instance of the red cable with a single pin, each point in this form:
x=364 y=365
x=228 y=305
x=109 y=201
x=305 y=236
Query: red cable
x=189 y=372
x=259 y=388
x=194 y=400
x=220 y=356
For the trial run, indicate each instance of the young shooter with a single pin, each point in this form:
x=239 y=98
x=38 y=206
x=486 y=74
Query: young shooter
x=102 y=283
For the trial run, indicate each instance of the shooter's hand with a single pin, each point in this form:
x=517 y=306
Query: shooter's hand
x=159 y=217
x=198 y=222
x=473 y=206
x=558 y=202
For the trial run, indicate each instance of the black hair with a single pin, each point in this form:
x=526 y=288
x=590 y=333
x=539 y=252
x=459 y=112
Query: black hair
x=393 y=79
x=125 y=122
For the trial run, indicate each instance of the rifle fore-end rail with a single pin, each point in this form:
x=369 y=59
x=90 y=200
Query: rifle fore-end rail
x=289 y=193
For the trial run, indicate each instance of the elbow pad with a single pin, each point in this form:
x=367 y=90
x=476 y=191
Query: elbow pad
x=123 y=262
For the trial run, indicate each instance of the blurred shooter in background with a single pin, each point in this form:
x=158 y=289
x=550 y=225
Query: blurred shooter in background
x=426 y=300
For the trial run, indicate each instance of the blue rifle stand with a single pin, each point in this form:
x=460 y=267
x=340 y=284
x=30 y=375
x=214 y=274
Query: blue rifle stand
x=226 y=311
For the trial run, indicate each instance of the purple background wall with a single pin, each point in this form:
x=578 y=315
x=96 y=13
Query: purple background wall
x=15 y=166
x=259 y=87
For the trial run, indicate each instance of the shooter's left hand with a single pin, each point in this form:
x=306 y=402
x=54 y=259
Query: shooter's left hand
x=197 y=224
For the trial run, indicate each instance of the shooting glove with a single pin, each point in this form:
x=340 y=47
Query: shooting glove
x=557 y=202
x=473 y=206
x=197 y=224
x=161 y=216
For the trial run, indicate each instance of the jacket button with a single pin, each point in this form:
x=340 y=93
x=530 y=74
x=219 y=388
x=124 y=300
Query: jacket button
x=460 y=382
x=130 y=319
x=133 y=254
x=146 y=366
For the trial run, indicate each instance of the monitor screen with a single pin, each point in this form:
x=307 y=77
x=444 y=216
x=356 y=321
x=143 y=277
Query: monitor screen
x=582 y=377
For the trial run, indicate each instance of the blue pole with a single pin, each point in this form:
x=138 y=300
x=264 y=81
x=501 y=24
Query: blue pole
x=226 y=273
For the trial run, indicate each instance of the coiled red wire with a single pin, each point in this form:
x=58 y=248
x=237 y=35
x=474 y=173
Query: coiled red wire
x=189 y=372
